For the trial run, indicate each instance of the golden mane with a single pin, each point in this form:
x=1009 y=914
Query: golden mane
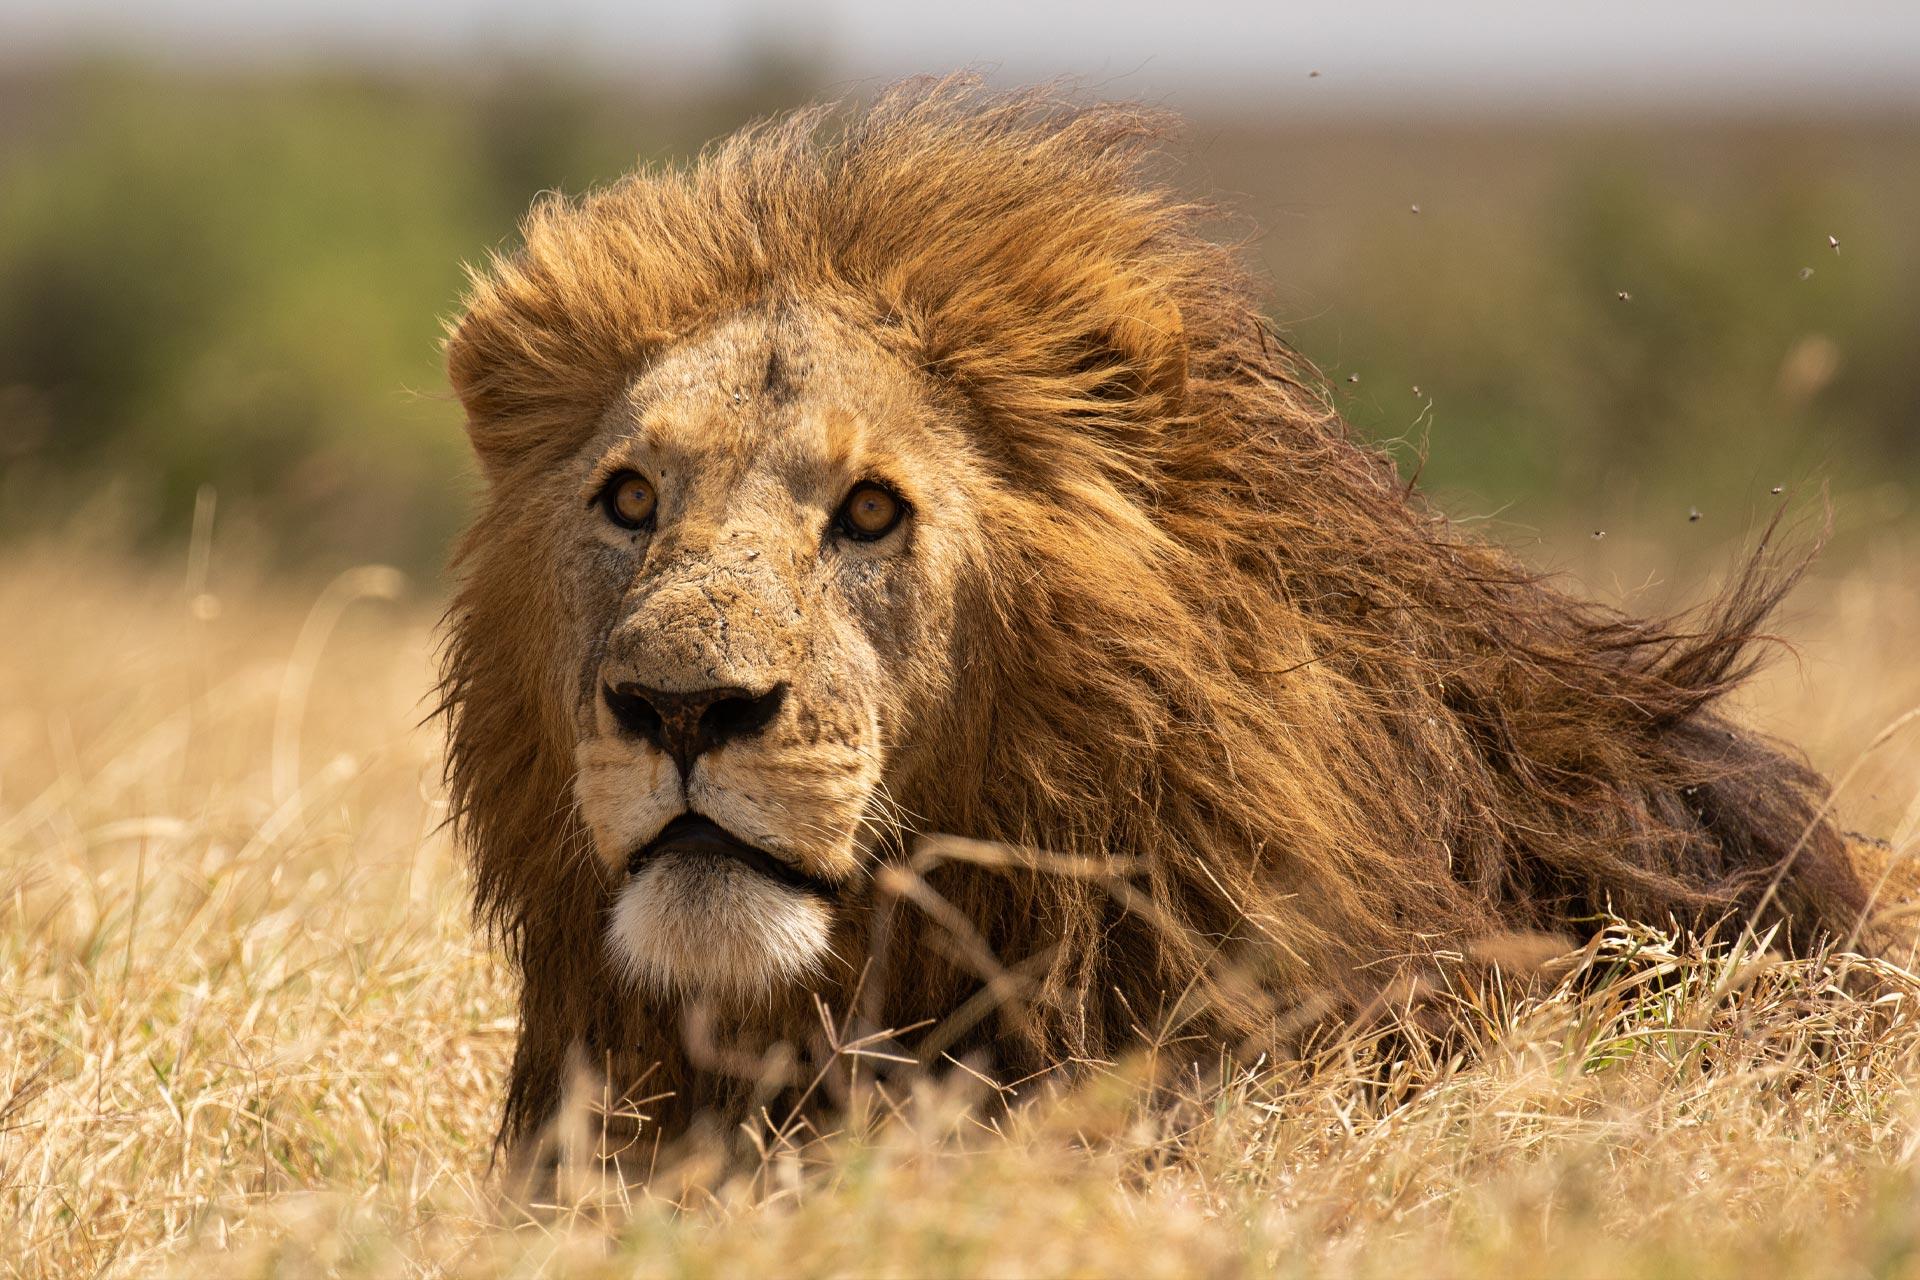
x=1222 y=648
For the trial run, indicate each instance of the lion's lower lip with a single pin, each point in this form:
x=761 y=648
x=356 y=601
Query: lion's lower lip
x=690 y=833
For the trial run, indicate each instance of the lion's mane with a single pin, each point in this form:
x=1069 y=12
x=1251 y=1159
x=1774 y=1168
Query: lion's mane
x=1221 y=645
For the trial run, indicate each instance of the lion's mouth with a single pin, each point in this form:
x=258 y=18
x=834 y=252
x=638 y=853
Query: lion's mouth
x=693 y=835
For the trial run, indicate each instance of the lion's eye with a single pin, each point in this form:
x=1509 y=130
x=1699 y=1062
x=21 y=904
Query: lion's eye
x=628 y=500
x=870 y=512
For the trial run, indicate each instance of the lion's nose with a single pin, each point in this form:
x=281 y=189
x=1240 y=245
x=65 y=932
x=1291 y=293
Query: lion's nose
x=684 y=725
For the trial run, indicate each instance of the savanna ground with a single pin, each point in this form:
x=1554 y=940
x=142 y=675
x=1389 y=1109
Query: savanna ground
x=245 y=1027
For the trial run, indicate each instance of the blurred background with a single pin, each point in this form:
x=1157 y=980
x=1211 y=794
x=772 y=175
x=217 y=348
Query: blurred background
x=1579 y=261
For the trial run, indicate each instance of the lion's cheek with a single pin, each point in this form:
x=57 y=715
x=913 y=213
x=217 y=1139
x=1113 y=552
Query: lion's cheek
x=624 y=796
x=806 y=804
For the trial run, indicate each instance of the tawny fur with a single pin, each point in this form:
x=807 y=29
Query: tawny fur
x=1217 y=642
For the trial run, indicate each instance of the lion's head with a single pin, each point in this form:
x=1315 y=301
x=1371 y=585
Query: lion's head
x=934 y=474
x=759 y=549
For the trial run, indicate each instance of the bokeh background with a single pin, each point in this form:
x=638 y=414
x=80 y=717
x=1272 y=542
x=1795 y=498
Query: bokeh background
x=1574 y=259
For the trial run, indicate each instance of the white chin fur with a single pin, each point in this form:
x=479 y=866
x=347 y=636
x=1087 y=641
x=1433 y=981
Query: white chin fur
x=700 y=925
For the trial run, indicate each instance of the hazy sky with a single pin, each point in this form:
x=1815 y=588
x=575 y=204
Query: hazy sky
x=1738 y=52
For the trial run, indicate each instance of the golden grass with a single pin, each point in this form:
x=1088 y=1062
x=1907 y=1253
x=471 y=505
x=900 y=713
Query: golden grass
x=246 y=1029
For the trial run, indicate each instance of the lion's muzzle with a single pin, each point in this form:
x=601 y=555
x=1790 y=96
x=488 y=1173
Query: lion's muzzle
x=693 y=836
x=702 y=912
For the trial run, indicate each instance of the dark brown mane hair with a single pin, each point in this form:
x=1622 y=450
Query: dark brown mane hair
x=1313 y=732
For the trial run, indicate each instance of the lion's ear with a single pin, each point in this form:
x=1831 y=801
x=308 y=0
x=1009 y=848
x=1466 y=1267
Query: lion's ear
x=505 y=422
x=468 y=371
x=532 y=378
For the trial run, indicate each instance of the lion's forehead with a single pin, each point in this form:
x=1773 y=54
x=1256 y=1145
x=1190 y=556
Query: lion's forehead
x=770 y=405
x=792 y=387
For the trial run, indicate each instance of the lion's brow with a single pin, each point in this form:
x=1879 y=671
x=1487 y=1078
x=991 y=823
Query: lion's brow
x=845 y=436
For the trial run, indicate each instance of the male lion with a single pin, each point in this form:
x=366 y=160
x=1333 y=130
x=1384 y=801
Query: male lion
x=932 y=474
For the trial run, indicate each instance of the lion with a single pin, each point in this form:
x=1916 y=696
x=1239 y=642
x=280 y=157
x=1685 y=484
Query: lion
x=918 y=594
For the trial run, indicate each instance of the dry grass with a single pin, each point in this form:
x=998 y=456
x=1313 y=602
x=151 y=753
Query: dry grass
x=245 y=1028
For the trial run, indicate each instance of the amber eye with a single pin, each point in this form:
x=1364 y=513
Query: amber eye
x=870 y=511
x=628 y=500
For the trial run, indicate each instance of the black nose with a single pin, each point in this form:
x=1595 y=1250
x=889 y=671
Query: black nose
x=686 y=724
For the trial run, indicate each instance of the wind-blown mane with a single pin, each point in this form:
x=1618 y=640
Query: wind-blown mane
x=1312 y=733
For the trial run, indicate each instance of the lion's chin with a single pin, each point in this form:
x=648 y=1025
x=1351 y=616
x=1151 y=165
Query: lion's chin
x=689 y=924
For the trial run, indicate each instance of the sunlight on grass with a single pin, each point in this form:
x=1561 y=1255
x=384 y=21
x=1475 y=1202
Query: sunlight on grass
x=246 y=1028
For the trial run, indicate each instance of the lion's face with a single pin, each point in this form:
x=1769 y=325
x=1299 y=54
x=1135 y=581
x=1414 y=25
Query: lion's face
x=761 y=551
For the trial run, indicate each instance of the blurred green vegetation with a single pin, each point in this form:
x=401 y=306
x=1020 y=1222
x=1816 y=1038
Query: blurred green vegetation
x=235 y=281
x=1614 y=323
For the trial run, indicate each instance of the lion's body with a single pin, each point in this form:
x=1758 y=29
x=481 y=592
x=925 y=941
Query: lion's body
x=1303 y=731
